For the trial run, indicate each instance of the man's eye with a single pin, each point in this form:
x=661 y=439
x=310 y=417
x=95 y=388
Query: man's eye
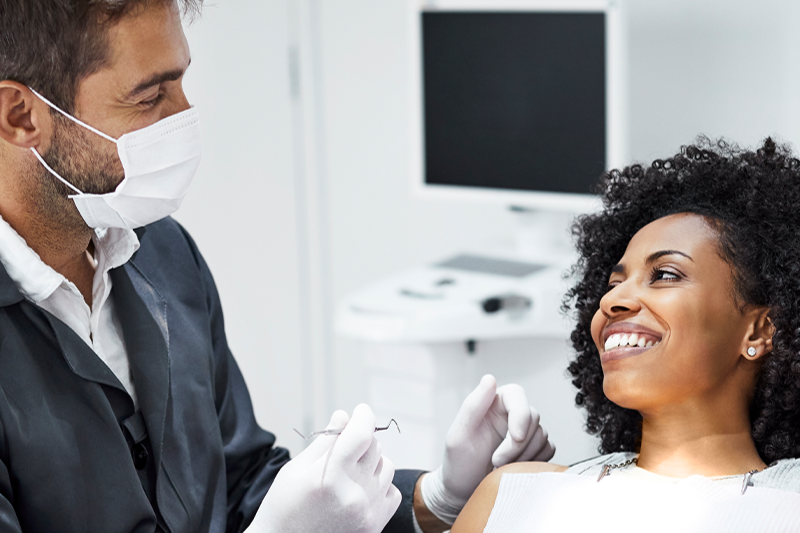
x=152 y=102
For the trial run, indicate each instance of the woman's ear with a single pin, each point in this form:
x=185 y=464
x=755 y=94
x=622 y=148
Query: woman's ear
x=758 y=341
x=22 y=115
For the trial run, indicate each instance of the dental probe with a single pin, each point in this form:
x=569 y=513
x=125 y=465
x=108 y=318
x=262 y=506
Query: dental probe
x=339 y=431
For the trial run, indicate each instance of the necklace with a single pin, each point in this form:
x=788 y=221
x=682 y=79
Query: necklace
x=746 y=482
x=607 y=468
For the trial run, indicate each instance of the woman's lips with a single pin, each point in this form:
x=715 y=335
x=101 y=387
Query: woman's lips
x=622 y=353
x=626 y=339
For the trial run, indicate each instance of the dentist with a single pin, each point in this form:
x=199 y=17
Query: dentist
x=121 y=406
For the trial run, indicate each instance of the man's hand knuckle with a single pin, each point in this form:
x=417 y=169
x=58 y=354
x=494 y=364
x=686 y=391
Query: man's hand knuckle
x=358 y=504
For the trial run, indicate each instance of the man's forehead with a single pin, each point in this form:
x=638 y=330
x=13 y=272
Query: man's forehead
x=145 y=44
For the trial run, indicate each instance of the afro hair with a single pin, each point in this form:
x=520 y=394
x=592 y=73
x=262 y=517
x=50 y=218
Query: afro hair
x=753 y=199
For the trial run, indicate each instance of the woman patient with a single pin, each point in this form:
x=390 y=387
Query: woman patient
x=688 y=356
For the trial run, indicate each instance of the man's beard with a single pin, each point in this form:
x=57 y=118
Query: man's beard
x=75 y=156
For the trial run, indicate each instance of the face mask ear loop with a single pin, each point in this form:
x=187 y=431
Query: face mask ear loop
x=53 y=172
x=75 y=120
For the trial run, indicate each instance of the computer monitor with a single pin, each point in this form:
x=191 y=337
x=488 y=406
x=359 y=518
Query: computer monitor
x=517 y=102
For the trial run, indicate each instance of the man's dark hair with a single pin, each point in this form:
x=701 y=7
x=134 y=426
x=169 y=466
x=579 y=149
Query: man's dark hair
x=751 y=198
x=51 y=45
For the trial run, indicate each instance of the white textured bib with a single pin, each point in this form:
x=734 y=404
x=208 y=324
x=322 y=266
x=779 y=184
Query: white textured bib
x=557 y=502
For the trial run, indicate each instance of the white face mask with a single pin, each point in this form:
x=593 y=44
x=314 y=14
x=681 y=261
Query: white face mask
x=159 y=162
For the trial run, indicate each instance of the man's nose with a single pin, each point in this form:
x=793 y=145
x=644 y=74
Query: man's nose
x=175 y=105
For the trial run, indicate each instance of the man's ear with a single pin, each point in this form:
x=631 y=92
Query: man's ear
x=24 y=119
x=758 y=341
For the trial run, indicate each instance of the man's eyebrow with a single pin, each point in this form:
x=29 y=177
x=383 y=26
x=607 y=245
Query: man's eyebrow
x=156 y=79
x=618 y=268
x=657 y=255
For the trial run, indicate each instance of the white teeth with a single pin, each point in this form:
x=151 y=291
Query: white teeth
x=611 y=343
x=624 y=340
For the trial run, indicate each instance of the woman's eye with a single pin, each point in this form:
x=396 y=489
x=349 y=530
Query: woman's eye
x=664 y=275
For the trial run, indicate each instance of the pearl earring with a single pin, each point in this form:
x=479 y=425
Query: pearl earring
x=751 y=351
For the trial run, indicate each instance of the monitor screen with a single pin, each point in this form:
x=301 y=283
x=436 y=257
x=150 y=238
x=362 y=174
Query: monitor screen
x=514 y=100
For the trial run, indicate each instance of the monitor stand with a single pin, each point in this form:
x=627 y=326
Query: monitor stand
x=428 y=334
x=543 y=235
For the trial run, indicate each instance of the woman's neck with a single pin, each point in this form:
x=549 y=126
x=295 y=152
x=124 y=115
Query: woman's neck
x=687 y=441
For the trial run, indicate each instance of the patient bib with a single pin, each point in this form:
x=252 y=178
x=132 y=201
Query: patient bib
x=557 y=502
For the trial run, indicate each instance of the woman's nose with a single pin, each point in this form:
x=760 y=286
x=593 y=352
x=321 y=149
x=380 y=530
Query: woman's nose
x=621 y=299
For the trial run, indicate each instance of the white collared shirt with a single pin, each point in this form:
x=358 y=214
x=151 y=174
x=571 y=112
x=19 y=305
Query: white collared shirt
x=99 y=326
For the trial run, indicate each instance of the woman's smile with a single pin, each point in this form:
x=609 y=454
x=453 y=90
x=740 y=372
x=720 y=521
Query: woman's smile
x=626 y=339
x=621 y=346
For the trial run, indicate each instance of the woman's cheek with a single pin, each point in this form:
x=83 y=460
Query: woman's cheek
x=598 y=323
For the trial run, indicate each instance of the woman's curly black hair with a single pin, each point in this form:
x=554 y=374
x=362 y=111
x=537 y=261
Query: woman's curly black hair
x=752 y=198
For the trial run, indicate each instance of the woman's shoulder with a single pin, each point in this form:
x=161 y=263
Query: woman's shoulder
x=491 y=483
x=475 y=515
x=531 y=467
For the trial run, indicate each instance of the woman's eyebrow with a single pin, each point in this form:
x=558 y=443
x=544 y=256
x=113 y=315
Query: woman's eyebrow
x=657 y=255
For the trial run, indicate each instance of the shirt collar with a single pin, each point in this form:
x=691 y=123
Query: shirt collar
x=36 y=280
x=116 y=245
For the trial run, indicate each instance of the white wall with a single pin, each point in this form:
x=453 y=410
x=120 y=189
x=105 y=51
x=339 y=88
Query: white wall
x=241 y=209
x=719 y=67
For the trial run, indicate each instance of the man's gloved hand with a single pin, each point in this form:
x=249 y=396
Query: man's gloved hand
x=339 y=484
x=493 y=427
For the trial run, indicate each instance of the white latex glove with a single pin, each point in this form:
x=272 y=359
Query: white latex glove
x=339 y=484
x=493 y=427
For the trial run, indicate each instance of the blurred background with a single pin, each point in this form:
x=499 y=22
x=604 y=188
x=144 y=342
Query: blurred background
x=304 y=195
